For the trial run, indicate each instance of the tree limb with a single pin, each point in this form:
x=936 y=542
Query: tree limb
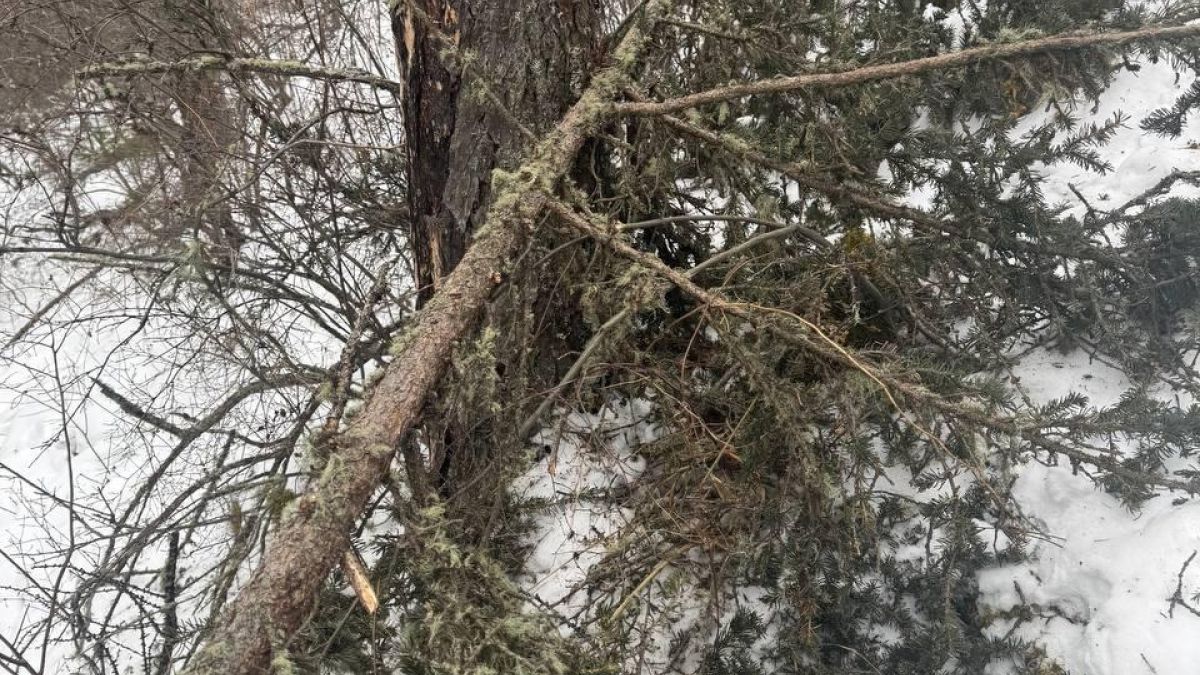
x=860 y=75
x=238 y=65
x=280 y=594
x=893 y=387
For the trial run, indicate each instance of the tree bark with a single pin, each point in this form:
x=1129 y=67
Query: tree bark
x=280 y=594
x=479 y=75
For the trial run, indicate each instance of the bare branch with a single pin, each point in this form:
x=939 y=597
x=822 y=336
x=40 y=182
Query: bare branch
x=240 y=66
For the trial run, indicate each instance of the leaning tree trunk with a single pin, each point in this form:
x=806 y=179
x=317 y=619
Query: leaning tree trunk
x=279 y=596
x=480 y=77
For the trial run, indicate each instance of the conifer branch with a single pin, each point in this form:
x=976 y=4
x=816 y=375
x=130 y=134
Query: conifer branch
x=874 y=204
x=893 y=388
x=861 y=75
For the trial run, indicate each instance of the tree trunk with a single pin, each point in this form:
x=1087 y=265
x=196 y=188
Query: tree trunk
x=480 y=76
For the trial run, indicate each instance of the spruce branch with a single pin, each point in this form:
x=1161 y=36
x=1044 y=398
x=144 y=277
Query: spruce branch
x=894 y=388
x=861 y=75
x=777 y=231
x=877 y=205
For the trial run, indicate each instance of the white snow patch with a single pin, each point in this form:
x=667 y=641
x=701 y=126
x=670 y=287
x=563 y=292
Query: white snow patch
x=1103 y=590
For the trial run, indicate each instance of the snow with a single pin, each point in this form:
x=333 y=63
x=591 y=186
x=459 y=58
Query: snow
x=1102 y=591
x=1102 y=585
x=571 y=536
x=1139 y=159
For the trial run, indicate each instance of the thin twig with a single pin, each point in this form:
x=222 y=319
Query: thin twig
x=1177 y=597
x=48 y=307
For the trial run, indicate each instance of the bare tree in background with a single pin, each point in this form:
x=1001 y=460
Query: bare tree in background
x=229 y=232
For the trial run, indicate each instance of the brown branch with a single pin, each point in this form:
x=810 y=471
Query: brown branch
x=314 y=535
x=861 y=75
x=821 y=345
x=1160 y=188
x=238 y=65
x=817 y=342
x=602 y=333
x=170 y=623
x=37 y=317
x=137 y=412
x=1177 y=597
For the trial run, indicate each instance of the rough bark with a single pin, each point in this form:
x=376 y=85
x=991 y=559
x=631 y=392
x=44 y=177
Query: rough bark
x=280 y=594
x=479 y=75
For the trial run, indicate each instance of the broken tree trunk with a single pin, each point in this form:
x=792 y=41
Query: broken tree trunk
x=279 y=595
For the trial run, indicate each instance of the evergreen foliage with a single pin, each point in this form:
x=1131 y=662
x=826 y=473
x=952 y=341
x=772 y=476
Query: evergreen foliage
x=863 y=509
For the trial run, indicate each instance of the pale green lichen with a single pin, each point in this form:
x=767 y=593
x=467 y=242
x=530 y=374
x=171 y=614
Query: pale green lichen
x=277 y=499
x=375 y=377
x=210 y=660
x=474 y=619
x=1018 y=34
x=474 y=363
x=335 y=468
x=281 y=664
x=380 y=449
x=403 y=341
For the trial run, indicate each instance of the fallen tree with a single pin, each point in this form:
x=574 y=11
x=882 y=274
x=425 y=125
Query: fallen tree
x=314 y=535
x=279 y=596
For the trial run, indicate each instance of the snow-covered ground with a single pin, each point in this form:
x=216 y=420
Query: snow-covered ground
x=1100 y=589
x=1103 y=585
